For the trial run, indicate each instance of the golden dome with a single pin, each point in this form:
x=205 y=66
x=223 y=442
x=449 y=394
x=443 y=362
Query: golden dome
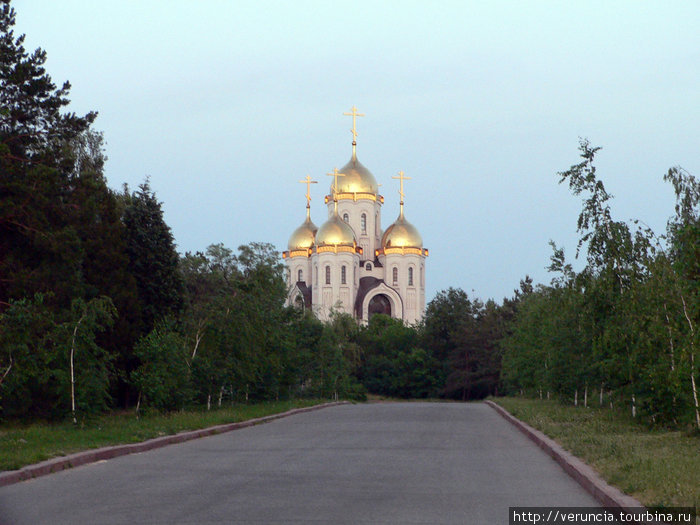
x=303 y=237
x=401 y=234
x=357 y=179
x=335 y=232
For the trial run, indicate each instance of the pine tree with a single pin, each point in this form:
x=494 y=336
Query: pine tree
x=153 y=258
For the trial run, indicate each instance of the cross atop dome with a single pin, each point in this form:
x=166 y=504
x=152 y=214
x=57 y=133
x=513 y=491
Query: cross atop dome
x=354 y=114
x=308 y=183
x=401 y=193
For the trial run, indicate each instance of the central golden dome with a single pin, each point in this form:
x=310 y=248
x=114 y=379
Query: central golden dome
x=402 y=234
x=357 y=179
x=335 y=232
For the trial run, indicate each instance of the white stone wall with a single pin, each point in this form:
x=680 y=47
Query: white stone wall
x=397 y=274
x=294 y=266
x=370 y=237
x=336 y=294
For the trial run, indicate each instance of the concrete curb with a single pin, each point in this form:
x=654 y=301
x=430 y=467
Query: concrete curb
x=99 y=454
x=588 y=478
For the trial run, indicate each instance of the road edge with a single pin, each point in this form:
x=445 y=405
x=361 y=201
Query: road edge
x=99 y=454
x=582 y=473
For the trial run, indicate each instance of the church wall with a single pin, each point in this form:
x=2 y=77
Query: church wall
x=368 y=238
x=376 y=271
x=294 y=265
x=333 y=293
x=403 y=274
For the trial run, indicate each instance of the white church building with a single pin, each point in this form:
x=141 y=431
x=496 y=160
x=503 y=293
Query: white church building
x=350 y=264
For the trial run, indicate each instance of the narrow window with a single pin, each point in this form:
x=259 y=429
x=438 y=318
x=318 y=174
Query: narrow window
x=410 y=276
x=328 y=275
x=315 y=274
x=343 y=275
x=300 y=275
x=395 y=275
x=363 y=223
x=345 y=217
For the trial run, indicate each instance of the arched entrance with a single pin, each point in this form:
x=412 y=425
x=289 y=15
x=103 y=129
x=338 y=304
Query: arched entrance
x=379 y=304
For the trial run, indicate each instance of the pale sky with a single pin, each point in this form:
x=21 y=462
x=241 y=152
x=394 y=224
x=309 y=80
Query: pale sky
x=227 y=104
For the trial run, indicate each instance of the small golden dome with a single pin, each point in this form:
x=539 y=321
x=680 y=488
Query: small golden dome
x=303 y=237
x=402 y=234
x=335 y=232
x=357 y=179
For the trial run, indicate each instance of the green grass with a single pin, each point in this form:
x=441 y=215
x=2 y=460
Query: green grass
x=22 y=445
x=658 y=467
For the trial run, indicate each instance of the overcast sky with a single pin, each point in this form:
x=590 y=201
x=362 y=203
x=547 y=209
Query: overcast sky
x=225 y=105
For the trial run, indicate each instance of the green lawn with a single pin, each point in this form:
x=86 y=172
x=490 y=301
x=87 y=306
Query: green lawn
x=658 y=467
x=22 y=445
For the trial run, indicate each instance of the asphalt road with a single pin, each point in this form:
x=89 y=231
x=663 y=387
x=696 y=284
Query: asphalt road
x=392 y=463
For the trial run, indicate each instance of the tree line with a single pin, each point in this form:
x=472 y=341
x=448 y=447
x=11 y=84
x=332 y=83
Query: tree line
x=622 y=331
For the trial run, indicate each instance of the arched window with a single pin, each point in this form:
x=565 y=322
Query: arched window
x=363 y=222
x=368 y=267
x=328 y=274
x=410 y=276
x=345 y=217
x=395 y=275
x=300 y=275
x=343 y=275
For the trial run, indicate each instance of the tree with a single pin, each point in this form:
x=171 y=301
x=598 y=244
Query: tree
x=54 y=367
x=90 y=370
x=163 y=377
x=39 y=248
x=152 y=257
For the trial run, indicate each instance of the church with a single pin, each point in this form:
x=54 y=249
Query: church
x=350 y=264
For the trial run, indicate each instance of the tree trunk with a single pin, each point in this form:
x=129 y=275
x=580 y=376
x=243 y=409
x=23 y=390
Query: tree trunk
x=670 y=338
x=585 y=397
x=7 y=371
x=72 y=370
x=208 y=402
x=692 y=363
x=221 y=395
x=695 y=390
x=601 y=394
x=634 y=407
x=576 y=397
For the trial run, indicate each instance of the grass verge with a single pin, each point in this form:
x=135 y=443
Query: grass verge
x=22 y=445
x=659 y=468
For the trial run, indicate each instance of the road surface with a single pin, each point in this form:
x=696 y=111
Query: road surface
x=385 y=463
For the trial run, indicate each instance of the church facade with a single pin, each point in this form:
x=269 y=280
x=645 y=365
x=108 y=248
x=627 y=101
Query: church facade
x=349 y=264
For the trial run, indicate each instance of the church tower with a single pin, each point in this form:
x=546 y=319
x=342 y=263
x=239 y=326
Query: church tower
x=348 y=264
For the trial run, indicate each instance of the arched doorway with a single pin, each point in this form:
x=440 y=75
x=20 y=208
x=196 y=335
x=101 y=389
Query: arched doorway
x=379 y=304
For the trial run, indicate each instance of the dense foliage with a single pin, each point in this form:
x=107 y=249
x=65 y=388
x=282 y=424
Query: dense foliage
x=624 y=327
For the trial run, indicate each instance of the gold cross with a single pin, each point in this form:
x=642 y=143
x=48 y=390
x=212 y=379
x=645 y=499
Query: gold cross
x=401 y=178
x=308 y=183
x=335 y=176
x=354 y=116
